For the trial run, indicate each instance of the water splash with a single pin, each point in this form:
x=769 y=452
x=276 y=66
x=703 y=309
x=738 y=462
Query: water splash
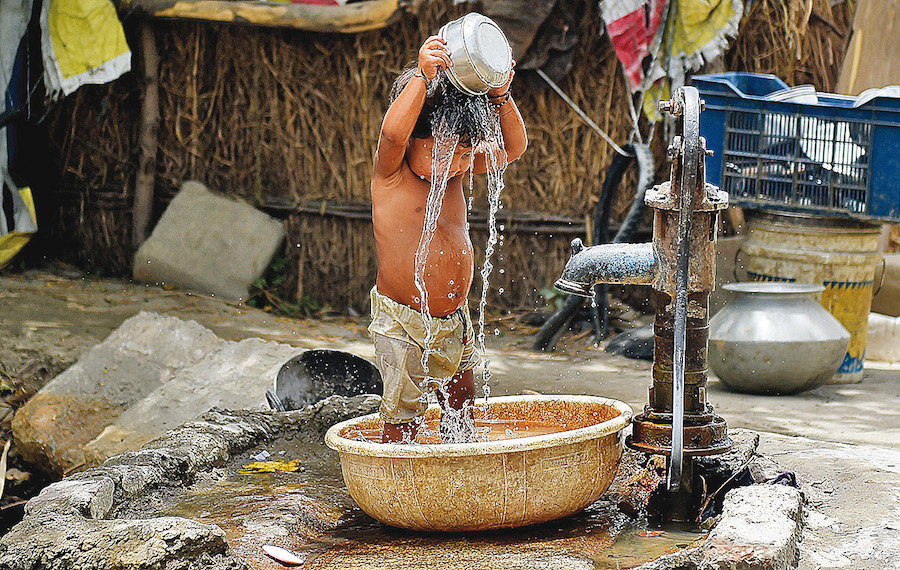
x=471 y=119
x=441 y=161
x=497 y=161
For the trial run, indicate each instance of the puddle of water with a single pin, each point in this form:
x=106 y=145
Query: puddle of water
x=311 y=514
x=486 y=429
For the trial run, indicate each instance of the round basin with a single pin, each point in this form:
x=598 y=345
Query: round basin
x=523 y=480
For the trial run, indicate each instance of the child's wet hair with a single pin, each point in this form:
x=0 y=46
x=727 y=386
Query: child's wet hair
x=444 y=104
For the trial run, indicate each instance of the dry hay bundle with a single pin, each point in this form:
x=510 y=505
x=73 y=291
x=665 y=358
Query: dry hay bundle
x=287 y=117
x=801 y=41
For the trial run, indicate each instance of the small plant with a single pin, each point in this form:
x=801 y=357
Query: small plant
x=554 y=297
x=266 y=293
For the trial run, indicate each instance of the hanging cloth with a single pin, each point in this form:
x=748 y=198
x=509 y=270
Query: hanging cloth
x=17 y=215
x=678 y=36
x=82 y=41
x=696 y=31
x=24 y=220
x=633 y=25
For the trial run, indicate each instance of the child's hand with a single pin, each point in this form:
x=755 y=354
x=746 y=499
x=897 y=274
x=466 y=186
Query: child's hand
x=434 y=55
x=503 y=89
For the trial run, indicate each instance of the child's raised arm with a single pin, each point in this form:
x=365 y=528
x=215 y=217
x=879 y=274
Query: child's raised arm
x=403 y=113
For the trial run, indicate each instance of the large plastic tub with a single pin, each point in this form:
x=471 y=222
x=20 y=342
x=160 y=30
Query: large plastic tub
x=819 y=153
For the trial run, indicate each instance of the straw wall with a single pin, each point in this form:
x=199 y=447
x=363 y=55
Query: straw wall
x=288 y=118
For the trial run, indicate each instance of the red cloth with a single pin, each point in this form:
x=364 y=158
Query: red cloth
x=632 y=36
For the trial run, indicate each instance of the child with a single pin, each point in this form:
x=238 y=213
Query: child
x=400 y=187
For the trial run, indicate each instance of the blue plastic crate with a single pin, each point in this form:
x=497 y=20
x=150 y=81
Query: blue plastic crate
x=827 y=158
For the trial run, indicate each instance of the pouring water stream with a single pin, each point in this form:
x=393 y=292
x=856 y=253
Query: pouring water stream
x=445 y=143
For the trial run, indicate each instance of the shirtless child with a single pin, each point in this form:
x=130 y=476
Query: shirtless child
x=400 y=186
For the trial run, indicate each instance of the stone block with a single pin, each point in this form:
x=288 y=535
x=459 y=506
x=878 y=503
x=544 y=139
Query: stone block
x=886 y=300
x=141 y=355
x=90 y=497
x=234 y=376
x=759 y=529
x=209 y=244
x=883 y=339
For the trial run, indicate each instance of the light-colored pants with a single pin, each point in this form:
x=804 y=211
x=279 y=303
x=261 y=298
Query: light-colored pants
x=399 y=334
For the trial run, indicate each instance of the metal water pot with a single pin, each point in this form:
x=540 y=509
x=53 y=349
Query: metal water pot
x=480 y=52
x=775 y=338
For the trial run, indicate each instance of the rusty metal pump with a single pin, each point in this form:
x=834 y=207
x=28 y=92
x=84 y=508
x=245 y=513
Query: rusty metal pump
x=680 y=264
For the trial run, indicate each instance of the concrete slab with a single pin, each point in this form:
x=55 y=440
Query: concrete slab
x=234 y=376
x=853 y=515
x=145 y=352
x=196 y=478
x=209 y=244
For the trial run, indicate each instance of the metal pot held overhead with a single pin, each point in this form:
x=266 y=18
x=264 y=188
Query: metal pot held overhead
x=480 y=52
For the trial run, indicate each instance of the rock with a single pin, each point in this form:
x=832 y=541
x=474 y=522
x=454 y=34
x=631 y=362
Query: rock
x=883 y=339
x=53 y=541
x=144 y=353
x=235 y=375
x=760 y=528
x=886 y=300
x=222 y=255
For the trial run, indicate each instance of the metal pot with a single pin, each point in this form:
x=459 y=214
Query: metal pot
x=480 y=52
x=775 y=338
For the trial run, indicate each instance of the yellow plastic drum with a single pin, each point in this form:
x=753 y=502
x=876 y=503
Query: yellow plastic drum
x=841 y=254
x=488 y=485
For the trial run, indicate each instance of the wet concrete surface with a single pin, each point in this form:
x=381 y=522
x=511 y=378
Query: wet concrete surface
x=839 y=439
x=310 y=514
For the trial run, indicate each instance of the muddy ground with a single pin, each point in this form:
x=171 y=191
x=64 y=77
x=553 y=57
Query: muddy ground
x=840 y=440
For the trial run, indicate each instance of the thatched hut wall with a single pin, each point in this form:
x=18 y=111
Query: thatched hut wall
x=287 y=120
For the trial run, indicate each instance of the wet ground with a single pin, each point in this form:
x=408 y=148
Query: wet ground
x=277 y=508
x=841 y=440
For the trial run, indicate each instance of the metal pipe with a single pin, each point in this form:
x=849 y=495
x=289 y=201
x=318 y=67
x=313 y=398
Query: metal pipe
x=620 y=263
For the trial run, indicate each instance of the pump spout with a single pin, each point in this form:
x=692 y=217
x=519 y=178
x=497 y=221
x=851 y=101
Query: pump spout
x=621 y=263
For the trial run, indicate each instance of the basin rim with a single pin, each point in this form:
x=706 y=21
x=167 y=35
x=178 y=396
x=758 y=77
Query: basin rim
x=374 y=449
